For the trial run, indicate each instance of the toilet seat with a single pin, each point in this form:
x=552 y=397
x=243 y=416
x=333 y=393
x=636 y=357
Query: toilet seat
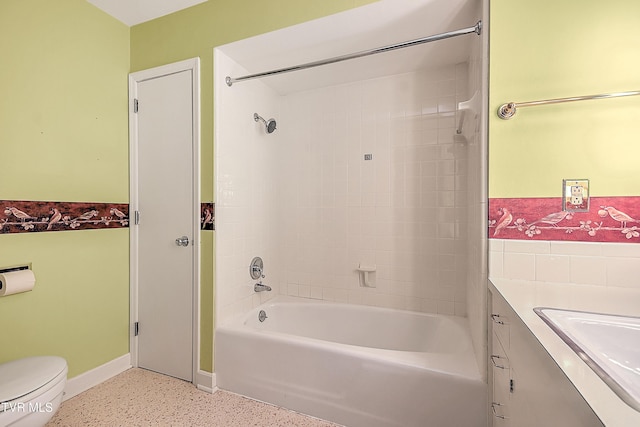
x=24 y=379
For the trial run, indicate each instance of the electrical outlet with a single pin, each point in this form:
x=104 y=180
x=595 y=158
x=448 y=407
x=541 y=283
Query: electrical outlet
x=575 y=195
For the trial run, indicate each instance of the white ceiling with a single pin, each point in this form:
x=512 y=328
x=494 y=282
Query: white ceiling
x=132 y=12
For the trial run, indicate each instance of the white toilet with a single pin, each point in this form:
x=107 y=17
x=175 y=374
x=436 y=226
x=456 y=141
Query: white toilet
x=31 y=390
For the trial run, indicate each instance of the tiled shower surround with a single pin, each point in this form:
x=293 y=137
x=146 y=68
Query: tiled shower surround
x=403 y=211
x=305 y=199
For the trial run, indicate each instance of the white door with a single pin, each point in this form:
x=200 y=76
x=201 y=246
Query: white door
x=165 y=234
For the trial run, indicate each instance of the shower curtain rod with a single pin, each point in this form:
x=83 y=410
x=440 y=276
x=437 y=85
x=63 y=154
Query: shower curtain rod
x=508 y=110
x=475 y=29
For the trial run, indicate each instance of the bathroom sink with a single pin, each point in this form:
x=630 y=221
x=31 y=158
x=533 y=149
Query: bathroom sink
x=609 y=344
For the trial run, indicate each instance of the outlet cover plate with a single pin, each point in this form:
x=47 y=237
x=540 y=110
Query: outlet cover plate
x=575 y=195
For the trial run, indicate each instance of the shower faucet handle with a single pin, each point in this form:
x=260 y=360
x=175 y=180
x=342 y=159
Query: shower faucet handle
x=257 y=271
x=255 y=268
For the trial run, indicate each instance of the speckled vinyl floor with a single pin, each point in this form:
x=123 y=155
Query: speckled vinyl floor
x=138 y=397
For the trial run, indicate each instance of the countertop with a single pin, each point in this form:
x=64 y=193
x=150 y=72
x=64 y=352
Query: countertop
x=524 y=295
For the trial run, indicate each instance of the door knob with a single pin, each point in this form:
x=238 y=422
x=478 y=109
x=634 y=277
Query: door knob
x=182 y=241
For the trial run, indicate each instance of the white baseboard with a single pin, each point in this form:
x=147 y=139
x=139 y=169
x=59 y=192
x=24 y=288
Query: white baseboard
x=95 y=376
x=205 y=381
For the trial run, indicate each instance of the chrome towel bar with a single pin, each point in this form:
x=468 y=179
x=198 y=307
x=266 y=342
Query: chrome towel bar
x=508 y=110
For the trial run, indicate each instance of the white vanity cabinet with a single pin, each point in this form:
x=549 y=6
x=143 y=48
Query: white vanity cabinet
x=528 y=387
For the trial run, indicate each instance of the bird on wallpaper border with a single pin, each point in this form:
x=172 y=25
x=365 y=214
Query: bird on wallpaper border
x=22 y=216
x=504 y=220
x=55 y=218
x=619 y=216
x=88 y=215
x=553 y=219
x=118 y=213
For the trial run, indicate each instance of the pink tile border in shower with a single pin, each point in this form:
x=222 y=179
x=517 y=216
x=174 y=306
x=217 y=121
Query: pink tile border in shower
x=610 y=219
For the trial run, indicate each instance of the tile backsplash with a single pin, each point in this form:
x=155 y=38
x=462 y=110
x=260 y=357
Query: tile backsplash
x=583 y=263
x=533 y=239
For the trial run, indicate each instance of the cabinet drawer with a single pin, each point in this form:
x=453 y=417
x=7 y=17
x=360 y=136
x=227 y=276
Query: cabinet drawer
x=500 y=375
x=500 y=368
x=500 y=414
x=498 y=358
x=501 y=321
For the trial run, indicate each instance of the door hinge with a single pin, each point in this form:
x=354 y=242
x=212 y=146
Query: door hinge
x=136 y=217
x=135 y=329
x=135 y=105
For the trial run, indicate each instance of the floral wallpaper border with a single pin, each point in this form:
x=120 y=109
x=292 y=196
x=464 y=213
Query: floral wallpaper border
x=21 y=216
x=610 y=219
x=208 y=216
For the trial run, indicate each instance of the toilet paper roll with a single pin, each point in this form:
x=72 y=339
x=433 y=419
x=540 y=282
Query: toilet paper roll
x=15 y=282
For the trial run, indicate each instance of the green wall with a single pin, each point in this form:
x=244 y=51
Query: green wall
x=64 y=137
x=196 y=32
x=553 y=49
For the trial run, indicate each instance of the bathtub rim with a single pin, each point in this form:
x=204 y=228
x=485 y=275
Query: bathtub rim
x=459 y=364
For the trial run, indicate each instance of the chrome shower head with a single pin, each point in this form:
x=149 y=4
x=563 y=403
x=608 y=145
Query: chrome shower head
x=269 y=125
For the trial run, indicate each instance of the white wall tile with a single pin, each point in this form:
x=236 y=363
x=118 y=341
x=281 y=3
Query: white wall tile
x=576 y=248
x=460 y=309
x=241 y=233
x=626 y=250
x=323 y=209
x=429 y=305
x=386 y=222
x=315 y=292
x=623 y=272
x=600 y=264
x=445 y=307
x=588 y=270
x=527 y=247
x=552 y=268
x=496 y=245
x=519 y=266
x=496 y=266
x=292 y=289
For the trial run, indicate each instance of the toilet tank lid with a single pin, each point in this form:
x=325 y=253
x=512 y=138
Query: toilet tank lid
x=20 y=377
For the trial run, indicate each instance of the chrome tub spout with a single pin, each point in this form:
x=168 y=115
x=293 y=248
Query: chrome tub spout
x=259 y=287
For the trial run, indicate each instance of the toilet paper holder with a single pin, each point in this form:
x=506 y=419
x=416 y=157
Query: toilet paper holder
x=15 y=268
x=16 y=279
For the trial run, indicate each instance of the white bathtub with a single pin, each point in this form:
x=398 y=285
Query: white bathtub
x=354 y=365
